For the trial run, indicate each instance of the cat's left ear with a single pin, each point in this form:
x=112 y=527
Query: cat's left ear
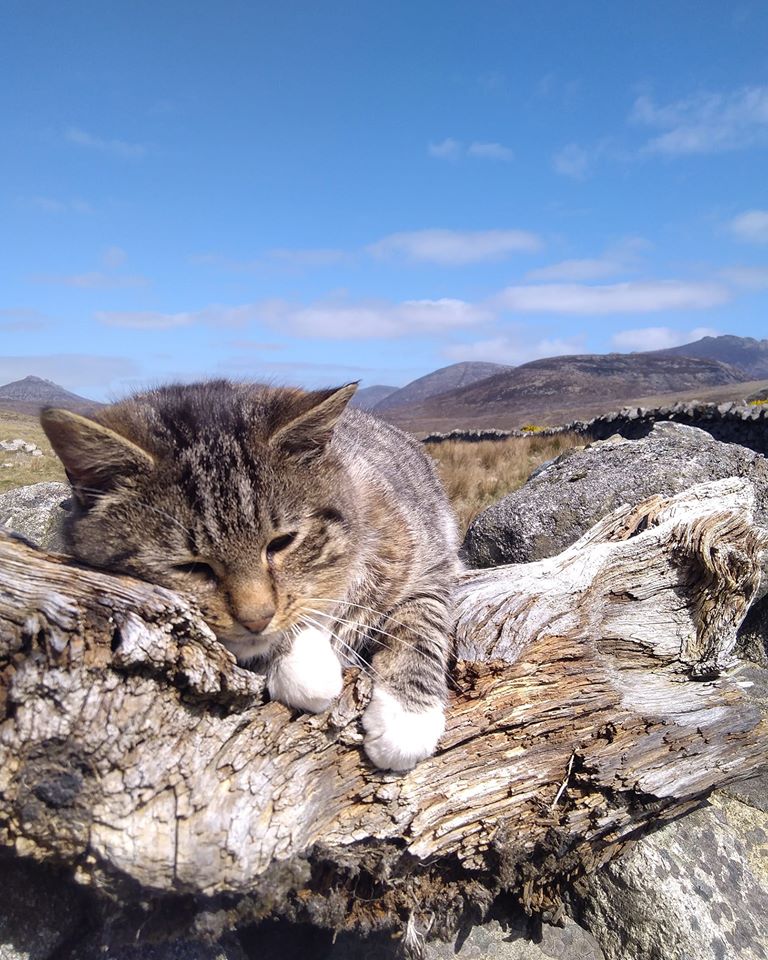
x=94 y=456
x=311 y=430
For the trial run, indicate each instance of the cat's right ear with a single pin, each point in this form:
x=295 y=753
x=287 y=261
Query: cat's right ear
x=308 y=432
x=93 y=456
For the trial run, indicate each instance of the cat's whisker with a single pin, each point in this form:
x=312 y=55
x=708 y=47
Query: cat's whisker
x=361 y=661
x=380 y=613
x=370 y=630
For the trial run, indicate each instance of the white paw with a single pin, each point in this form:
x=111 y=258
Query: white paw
x=308 y=677
x=396 y=738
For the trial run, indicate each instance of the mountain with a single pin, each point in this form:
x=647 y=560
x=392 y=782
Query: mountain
x=438 y=382
x=367 y=397
x=32 y=393
x=559 y=389
x=744 y=353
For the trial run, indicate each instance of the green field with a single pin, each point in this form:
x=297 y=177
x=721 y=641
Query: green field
x=24 y=468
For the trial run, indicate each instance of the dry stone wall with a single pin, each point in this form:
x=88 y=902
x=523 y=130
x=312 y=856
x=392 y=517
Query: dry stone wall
x=742 y=423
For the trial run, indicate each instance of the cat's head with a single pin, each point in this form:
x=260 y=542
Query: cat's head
x=228 y=492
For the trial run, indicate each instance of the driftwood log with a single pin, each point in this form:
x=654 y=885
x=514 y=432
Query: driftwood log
x=590 y=703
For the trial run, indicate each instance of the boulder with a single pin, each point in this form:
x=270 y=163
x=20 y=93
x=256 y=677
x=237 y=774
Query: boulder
x=568 y=495
x=695 y=890
x=36 y=513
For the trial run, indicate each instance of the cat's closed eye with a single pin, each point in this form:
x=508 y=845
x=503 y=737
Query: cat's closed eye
x=197 y=569
x=280 y=543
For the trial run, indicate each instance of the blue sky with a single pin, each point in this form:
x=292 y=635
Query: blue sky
x=319 y=192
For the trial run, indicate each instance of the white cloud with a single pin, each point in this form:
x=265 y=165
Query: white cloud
x=658 y=338
x=450 y=149
x=752 y=226
x=490 y=151
x=630 y=297
x=22 y=319
x=278 y=258
x=513 y=351
x=706 y=122
x=748 y=278
x=95 y=280
x=144 y=319
x=215 y=315
x=373 y=318
x=571 y=161
x=55 y=206
x=118 y=148
x=76 y=371
x=445 y=149
x=114 y=257
x=624 y=257
x=456 y=247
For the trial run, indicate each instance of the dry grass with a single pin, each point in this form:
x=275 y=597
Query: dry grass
x=24 y=468
x=477 y=474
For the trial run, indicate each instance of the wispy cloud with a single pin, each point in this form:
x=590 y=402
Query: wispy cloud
x=705 y=122
x=114 y=257
x=451 y=149
x=279 y=258
x=620 y=259
x=22 y=320
x=490 y=151
x=748 y=278
x=363 y=319
x=751 y=226
x=118 y=148
x=215 y=315
x=94 y=280
x=448 y=149
x=456 y=247
x=658 y=338
x=630 y=297
x=514 y=350
x=55 y=206
x=331 y=319
x=572 y=161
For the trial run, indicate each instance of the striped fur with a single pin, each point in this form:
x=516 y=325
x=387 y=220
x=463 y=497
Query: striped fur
x=293 y=521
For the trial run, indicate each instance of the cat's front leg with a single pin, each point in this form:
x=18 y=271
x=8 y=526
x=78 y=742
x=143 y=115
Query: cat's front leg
x=307 y=675
x=406 y=714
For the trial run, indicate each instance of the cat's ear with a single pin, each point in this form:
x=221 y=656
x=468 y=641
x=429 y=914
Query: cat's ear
x=93 y=456
x=309 y=431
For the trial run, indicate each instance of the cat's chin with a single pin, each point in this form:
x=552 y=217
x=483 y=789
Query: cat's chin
x=250 y=646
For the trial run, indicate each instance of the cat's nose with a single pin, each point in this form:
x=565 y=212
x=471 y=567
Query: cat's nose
x=259 y=622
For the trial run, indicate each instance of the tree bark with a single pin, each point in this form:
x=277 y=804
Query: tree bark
x=589 y=705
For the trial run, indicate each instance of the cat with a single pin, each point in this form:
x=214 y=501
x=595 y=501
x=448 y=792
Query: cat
x=310 y=534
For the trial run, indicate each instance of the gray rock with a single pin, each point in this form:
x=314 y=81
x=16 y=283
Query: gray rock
x=493 y=940
x=581 y=486
x=36 y=513
x=695 y=890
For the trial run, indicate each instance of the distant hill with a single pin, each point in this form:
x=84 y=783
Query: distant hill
x=32 y=393
x=367 y=397
x=558 y=389
x=438 y=382
x=746 y=354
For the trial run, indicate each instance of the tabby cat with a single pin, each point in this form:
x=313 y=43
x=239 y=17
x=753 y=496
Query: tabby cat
x=311 y=535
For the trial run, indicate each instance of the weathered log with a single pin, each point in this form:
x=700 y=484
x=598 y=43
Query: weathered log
x=589 y=704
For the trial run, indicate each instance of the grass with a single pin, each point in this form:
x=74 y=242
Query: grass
x=24 y=468
x=477 y=474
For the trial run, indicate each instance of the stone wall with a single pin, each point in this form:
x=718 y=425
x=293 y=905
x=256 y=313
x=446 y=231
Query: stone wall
x=745 y=424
